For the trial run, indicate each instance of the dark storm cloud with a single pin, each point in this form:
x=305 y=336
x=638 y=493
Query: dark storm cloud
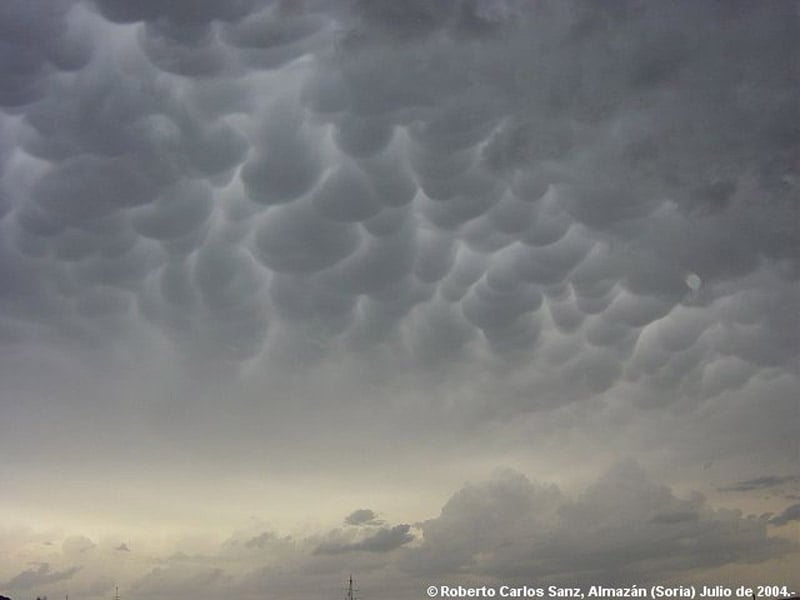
x=761 y=483
x=260 y=540
x=791 y=513
x=676 y=517
x=385 y=539
x=43 y=575
x=362 y=516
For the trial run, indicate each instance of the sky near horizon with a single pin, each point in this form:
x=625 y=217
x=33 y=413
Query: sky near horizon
x=473 y=292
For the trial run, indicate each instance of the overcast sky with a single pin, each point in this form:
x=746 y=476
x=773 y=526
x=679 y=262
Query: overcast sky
x=430 y=292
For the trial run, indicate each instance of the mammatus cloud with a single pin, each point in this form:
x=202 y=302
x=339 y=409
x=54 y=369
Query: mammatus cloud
x=252 y=241
x=511 y=181
x=491 y=198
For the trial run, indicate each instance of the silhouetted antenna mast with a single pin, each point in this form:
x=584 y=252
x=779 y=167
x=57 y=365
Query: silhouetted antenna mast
x=351 y=591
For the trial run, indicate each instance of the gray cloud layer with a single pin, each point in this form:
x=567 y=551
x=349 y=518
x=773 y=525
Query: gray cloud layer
x=40 y=576
x=623 y=528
